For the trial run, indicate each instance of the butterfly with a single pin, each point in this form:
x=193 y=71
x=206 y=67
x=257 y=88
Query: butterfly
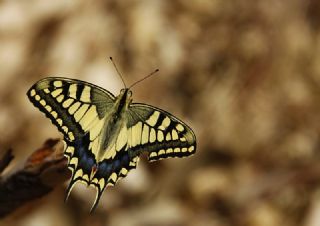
x=104 y=134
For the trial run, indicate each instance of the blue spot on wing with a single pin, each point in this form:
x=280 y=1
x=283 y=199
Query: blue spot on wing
x=108 y=166
x=86 y=160
x=104 y=169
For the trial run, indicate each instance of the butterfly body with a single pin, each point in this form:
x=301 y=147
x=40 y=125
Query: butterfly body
x=114 y=123
x=104 y=134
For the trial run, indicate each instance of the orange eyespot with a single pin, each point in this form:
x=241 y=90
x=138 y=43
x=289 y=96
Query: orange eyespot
x=94 y=169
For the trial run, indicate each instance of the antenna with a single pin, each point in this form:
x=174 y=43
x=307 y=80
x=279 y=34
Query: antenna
x=149 y=75
x=111 y=59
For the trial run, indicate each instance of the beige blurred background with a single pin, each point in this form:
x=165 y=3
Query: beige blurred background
x=244 y=74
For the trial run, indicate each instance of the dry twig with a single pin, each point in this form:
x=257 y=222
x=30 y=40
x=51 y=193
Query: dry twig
x=43 y=170
x=5 y=160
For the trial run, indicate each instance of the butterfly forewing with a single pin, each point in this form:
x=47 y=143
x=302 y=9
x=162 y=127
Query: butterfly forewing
x=159 y=133
x=73 y=106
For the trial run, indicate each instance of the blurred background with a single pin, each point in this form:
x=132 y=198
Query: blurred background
x=244 y=74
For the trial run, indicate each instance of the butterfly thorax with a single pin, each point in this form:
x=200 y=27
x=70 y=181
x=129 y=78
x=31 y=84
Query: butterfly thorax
x=114 y=124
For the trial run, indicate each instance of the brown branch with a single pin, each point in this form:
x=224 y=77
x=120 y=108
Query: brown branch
x=5 y=160
x=43 y=170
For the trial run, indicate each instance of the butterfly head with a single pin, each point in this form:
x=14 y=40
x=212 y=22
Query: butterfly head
x=125 y=92
x=125 y=97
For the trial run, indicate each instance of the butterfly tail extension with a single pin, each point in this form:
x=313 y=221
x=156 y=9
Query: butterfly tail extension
x=69 y=189
x=97 y=199
x=77 y=177
x=100 y=189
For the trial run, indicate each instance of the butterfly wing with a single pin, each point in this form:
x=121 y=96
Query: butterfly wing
x=74 y=106
x=158 y=133
x=78 y=109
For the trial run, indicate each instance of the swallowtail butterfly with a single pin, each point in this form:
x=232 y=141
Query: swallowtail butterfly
x=105 y=134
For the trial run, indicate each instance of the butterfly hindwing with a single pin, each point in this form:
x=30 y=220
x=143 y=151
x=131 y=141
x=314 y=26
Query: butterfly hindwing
x=99 y=175
x=159 y=133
